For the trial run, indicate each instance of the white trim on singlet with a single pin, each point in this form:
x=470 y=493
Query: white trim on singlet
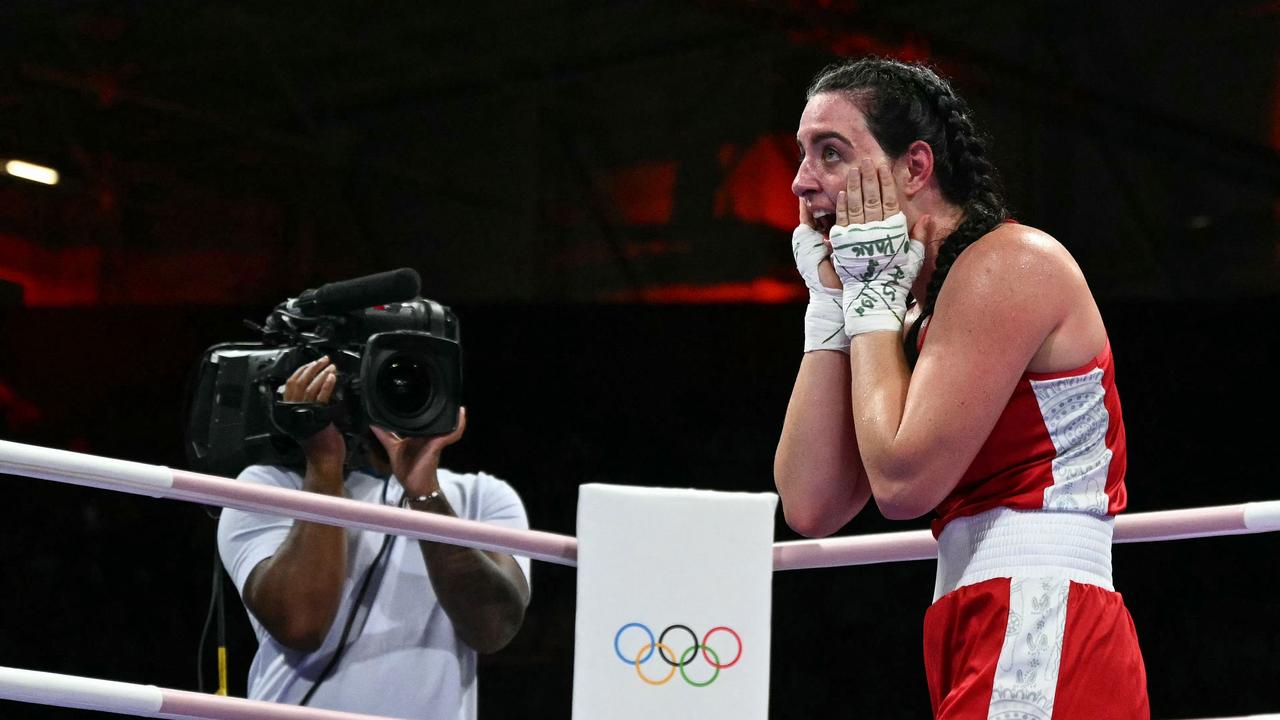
x=1075 y=414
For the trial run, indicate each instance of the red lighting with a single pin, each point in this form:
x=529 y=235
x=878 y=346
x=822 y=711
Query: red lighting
x=765 y=290
x=17 y=412
x=757 y=184
x=644 y=193
x=912 y=48
x=63 y=277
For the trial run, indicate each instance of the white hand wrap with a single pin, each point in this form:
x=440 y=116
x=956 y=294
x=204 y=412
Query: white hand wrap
x=877 y=262
x=824 y=318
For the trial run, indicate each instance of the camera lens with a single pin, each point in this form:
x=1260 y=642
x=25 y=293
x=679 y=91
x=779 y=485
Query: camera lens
x=404 y=384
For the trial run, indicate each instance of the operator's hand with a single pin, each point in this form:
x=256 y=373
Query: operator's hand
x=314 y=383
x=414 y=460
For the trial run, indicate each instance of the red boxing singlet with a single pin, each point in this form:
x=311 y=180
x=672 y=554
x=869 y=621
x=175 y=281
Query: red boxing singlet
x=1058 y=445
x=1025 y=622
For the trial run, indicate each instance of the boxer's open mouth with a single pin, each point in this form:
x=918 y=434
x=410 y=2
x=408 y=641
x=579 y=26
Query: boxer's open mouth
x=823 y=220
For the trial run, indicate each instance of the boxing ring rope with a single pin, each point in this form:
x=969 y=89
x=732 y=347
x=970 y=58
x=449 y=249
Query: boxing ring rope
x=158 y=481
x=1242 y=519
x=148 y=700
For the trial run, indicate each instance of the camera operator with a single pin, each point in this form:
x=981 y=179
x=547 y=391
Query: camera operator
x=357 y=621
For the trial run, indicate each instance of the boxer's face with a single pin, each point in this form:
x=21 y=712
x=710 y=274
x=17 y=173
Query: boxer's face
x=833 y=139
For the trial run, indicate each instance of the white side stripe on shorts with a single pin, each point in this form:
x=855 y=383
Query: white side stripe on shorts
x=1026 y=677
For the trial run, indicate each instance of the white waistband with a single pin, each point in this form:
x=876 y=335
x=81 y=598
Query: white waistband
x=1003 y=542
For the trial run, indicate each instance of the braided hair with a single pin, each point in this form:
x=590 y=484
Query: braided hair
x=905 y=102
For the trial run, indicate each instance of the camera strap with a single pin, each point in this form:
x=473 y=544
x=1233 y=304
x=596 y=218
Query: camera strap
x=302 y=420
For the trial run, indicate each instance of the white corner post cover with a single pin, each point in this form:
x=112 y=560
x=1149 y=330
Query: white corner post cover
x=674 y=603
x=80 y=468
x=86 y=693
x=1262 y=516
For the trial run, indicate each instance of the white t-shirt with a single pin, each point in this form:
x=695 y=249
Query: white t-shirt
x=403 y=658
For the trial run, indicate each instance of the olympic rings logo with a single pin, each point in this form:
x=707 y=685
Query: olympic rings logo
x=676 y=662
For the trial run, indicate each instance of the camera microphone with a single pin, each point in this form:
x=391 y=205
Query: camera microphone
x=359 y=293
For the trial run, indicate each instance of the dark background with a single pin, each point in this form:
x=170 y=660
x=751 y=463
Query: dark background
x=600 y=190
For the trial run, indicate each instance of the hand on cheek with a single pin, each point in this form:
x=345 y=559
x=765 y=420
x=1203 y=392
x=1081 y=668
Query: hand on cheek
x=869 y=195
x=875 y=258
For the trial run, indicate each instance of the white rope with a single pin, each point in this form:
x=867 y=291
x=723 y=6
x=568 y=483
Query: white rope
x=42 y=688
x=156 y=481
x=1243 y=519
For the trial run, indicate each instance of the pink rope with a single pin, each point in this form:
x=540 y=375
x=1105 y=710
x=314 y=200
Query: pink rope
x=72 y=691
x=327 y=509
x=153 y=480
x=920 y=544
x=182 y=704
x=1180 y=524
x=854 y=550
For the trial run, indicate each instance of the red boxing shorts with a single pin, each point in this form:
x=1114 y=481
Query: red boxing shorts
x=1033 y=648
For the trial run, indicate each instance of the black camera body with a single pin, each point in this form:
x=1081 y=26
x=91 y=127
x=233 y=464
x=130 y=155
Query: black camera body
x=399 y=366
